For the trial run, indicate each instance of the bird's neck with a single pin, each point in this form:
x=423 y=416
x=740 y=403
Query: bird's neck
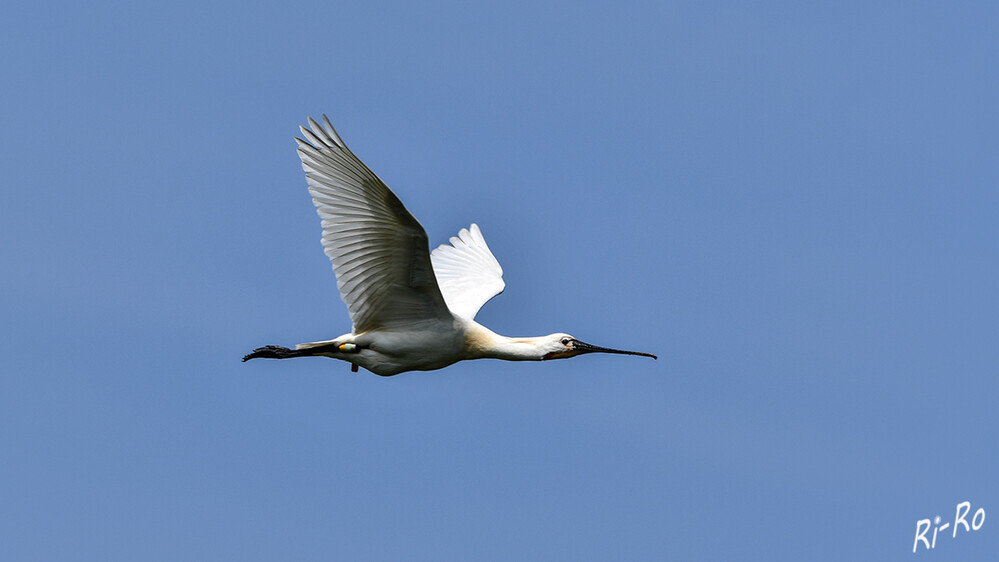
x=483 y=343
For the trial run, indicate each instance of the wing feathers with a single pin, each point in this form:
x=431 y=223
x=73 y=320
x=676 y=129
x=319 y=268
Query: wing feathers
x=467 y=272
x=378 y=250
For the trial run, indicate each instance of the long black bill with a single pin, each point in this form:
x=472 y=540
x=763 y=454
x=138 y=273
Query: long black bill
x=583 y=347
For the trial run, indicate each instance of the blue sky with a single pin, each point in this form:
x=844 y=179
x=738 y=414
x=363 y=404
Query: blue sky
x=795 y=207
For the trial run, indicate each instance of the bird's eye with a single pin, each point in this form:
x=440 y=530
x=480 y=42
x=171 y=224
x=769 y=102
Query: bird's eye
x=565 y=341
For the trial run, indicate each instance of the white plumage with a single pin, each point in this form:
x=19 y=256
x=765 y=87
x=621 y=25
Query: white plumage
x=467 y=272
x=379 y=251
x=411 y=309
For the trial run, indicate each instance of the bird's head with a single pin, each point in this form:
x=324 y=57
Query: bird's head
x=564 y=346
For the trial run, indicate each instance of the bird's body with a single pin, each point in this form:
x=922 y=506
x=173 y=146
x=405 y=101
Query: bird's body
x=411 y=309
x=423 y=346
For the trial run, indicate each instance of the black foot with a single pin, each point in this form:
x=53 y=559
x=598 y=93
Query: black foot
x=270 y=352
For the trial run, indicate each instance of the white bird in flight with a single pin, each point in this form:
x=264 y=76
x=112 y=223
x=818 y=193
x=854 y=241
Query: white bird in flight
x=412 y=309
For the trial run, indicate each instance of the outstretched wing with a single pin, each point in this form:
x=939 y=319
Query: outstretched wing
x=467 y=272
x=379 y=251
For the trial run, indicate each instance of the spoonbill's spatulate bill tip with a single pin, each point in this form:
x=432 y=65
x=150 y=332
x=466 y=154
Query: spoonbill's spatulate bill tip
x=411 y=309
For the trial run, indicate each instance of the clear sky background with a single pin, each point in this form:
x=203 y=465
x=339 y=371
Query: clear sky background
x=795 y=207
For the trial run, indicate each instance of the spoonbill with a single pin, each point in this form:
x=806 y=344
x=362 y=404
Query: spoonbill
x=411 y=309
